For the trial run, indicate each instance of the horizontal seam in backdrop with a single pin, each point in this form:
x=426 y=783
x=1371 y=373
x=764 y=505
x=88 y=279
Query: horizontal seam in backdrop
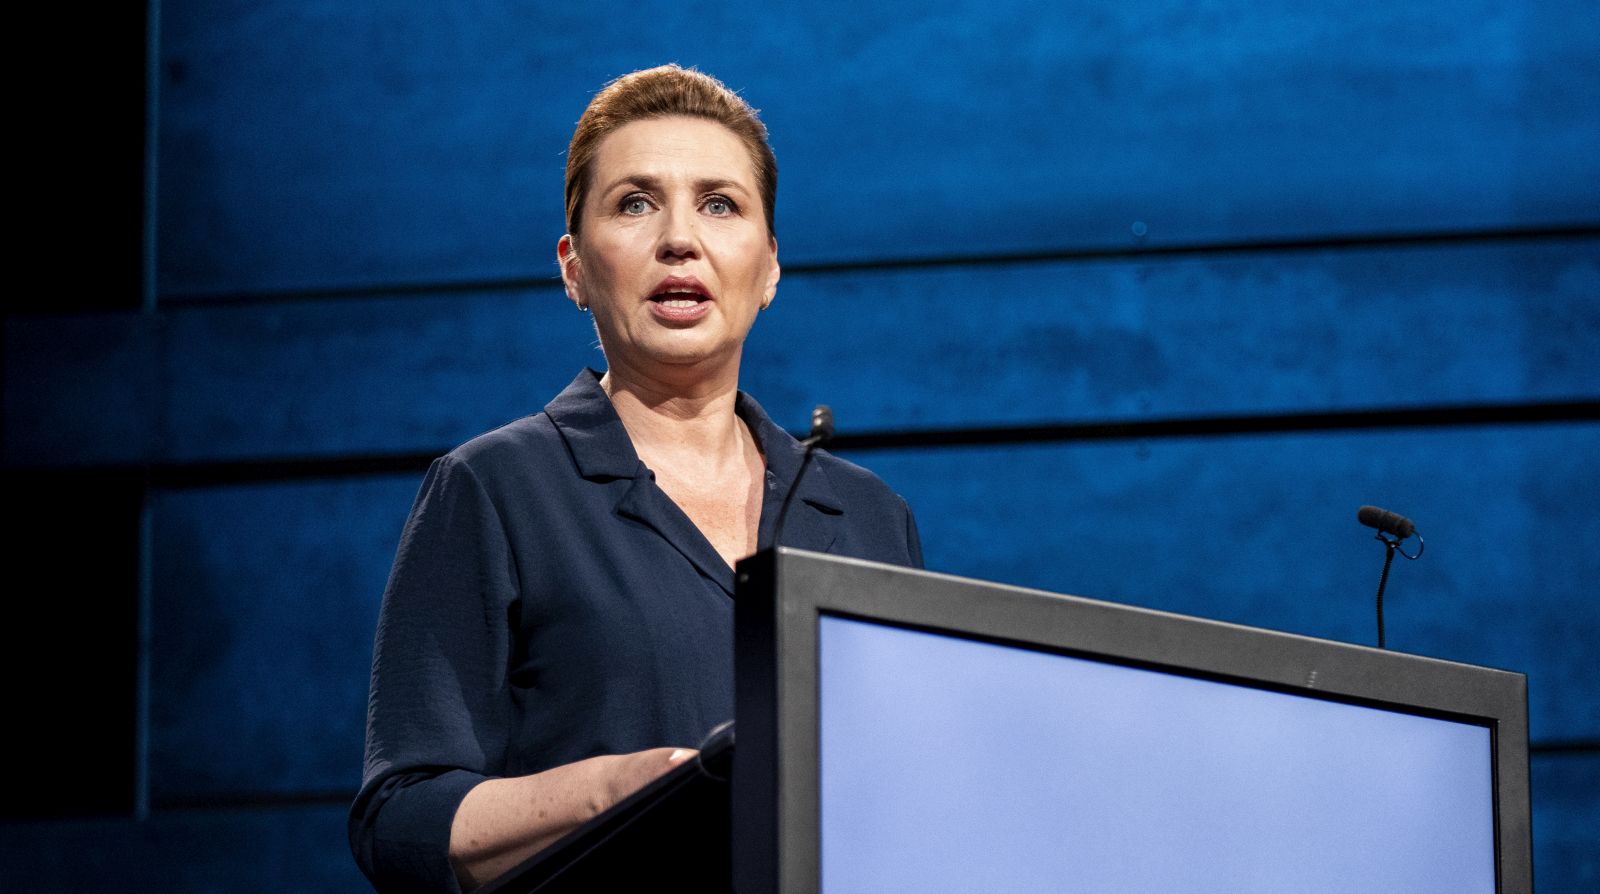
x=1101 y=253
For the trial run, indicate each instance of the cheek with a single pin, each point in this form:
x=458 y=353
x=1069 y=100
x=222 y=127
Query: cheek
x=757 y=261
x=601 y=277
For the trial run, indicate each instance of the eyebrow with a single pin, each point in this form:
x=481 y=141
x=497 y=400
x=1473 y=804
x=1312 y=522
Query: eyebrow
x=654 y=184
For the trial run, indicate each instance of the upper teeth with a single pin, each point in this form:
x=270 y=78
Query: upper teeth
x=667 y=298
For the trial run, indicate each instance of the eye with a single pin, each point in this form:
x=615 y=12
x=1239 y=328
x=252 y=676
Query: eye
x=634 y=204
x=720 y=206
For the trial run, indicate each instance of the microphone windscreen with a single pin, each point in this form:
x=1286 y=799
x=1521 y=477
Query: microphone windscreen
x=1385 y=521
x=821 y=423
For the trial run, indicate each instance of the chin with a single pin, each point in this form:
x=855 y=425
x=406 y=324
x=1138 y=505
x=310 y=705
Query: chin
x=682 y=356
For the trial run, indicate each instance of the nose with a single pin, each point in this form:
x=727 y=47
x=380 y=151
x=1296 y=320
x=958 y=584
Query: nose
x=680 y=240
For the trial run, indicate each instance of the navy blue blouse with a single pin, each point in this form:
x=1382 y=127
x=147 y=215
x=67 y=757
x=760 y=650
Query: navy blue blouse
x=549 y=603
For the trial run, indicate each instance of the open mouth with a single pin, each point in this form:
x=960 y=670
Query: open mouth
x=680 y=301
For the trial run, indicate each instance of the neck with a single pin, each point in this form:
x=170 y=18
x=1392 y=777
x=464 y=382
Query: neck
x=666 y=418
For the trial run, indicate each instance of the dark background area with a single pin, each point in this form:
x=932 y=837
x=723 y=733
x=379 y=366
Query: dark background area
x=1137 y=301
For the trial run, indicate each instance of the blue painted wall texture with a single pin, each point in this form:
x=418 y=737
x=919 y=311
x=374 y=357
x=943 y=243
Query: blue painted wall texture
x=1370 y=232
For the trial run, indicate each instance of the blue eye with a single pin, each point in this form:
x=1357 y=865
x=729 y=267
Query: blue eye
x=719 y=206
x=635 y=204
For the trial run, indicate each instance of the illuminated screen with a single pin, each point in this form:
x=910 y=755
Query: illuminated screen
x=949 y=764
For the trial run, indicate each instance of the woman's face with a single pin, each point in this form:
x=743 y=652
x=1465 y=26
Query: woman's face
x=674 y=260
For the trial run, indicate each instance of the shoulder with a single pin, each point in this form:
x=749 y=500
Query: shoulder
x=531 y=439
x=501 y=469
x=877 y=522
x=543 y=442
x=858 y=487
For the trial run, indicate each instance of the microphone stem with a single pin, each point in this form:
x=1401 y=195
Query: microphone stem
x=794 y=488
x=1383 y=581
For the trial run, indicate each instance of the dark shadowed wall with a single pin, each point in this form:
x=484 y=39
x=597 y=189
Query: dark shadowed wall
x=1132 y=300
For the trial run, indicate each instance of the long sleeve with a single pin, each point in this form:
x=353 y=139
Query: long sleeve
x=913 y=538
x=438 y=719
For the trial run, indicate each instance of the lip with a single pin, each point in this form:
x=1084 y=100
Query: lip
x=680 y=287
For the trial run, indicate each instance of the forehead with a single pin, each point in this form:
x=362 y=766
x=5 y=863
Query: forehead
x=673 y=147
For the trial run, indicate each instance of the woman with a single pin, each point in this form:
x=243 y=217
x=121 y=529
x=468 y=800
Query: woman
x=558 y=623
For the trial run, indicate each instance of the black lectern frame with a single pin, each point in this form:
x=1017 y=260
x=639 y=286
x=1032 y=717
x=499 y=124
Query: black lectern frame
x=783 y=593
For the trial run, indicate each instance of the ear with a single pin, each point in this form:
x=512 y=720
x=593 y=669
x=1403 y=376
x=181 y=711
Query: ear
x=773 y=272
x=567 y=258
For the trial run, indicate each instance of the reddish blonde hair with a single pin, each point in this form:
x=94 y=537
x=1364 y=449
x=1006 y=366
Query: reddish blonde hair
x=656 y=93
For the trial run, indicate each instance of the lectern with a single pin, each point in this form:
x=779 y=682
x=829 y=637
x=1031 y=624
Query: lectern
x=909 y=731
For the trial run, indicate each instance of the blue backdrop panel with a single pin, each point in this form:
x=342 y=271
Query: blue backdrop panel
x=959 y=346
x=1188 y=336
x=318 y=144
x=1566 y=821
x=375 y=375
x=265 y=603
x=259 y=850
x=1262 y=531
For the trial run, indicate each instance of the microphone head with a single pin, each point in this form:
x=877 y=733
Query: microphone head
x=821 y=424
x=1386 y=521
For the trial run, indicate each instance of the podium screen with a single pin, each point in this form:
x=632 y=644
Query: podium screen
x=961 y=765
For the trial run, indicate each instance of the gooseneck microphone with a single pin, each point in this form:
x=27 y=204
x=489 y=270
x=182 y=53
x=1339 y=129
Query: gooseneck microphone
x=821 y=433
x=1398 y=527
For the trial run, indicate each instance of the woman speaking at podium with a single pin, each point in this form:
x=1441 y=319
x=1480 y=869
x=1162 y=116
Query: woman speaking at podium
x=558 y=625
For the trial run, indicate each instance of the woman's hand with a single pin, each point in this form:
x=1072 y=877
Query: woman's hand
x=502 y=822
